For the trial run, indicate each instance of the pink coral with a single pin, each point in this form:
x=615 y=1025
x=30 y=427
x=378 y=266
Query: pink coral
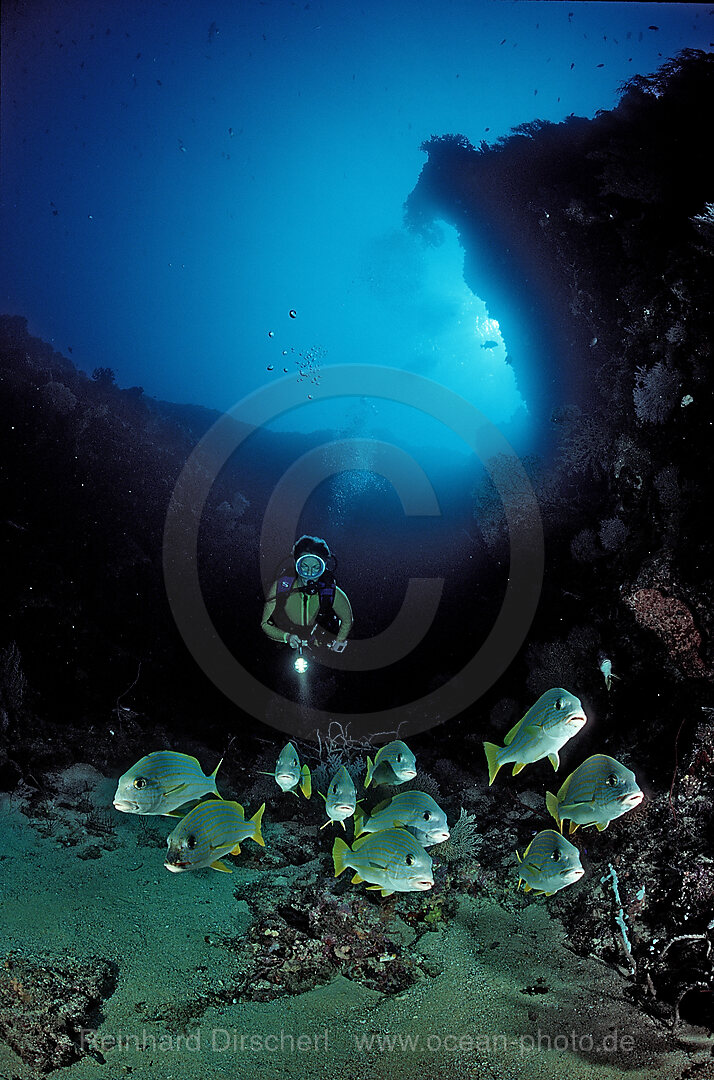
x=673 y=623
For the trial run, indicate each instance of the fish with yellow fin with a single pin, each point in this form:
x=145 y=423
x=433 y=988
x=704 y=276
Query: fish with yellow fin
x=391 y=860
x=289 y=775
x=412 y=810
x=597 y=792
x=211 y=830
x=162 y=781
x=341 y=798
x=393 y=764
x=556 y=716
x=549 y=863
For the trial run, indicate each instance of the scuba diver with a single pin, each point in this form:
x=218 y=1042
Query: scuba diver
x=305 y=603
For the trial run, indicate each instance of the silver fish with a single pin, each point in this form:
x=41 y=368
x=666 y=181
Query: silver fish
x=341 y=798
x=162 y=781
x=597 y=792
x=414 y=810
x=393 y=764
x=556 y=716
x=289 y=775
x=549 y=863
x=607 y=673
x=392 y=860
x=212 y=829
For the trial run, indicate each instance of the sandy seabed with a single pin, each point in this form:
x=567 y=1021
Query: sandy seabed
x=479 y=1019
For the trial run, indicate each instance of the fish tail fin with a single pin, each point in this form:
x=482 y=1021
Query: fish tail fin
x=214 y=789
x=306 y=782
x=256 y=819
x=370 y=769
x=340 y=852
x=493 y=765
x=551 y=802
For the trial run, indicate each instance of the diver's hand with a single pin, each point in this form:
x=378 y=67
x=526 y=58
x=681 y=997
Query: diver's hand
x=337 y=646
x=294 y=641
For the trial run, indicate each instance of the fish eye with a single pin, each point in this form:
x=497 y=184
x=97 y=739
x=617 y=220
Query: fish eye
x=409 y=860
x=427 y=815
x=140 y=782
x=611 y=780
x=191 y=843
x=295 y=761
x=399 y=757
x=555 y=855
x=560 y=703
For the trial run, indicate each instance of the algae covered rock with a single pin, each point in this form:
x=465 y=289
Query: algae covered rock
x=44 y=1005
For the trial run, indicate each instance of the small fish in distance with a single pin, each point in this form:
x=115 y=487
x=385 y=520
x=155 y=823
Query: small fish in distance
x=607 y=673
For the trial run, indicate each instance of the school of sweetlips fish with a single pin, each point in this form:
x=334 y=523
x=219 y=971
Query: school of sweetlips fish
x=388 y=851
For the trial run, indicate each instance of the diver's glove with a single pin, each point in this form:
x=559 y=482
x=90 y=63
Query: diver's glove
x=293 y=641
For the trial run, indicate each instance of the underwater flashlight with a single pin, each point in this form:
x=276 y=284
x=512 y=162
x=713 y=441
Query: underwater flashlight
x=301 y=665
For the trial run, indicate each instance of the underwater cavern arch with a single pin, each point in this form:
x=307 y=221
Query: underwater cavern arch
x=506 y=264
x=180 y=552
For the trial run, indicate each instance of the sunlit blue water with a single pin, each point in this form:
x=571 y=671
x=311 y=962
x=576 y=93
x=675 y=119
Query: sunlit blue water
x=177 y=179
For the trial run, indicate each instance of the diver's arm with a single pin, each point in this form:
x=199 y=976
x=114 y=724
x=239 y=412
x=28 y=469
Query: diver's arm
x=343 y=611
x=273 y=632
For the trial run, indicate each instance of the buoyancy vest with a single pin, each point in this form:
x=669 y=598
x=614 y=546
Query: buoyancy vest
x=326 y=617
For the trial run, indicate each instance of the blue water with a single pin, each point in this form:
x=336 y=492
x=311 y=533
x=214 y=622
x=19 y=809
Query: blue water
x=177 y=178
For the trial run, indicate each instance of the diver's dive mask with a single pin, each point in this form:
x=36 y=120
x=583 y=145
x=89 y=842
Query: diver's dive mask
x=310 y=567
